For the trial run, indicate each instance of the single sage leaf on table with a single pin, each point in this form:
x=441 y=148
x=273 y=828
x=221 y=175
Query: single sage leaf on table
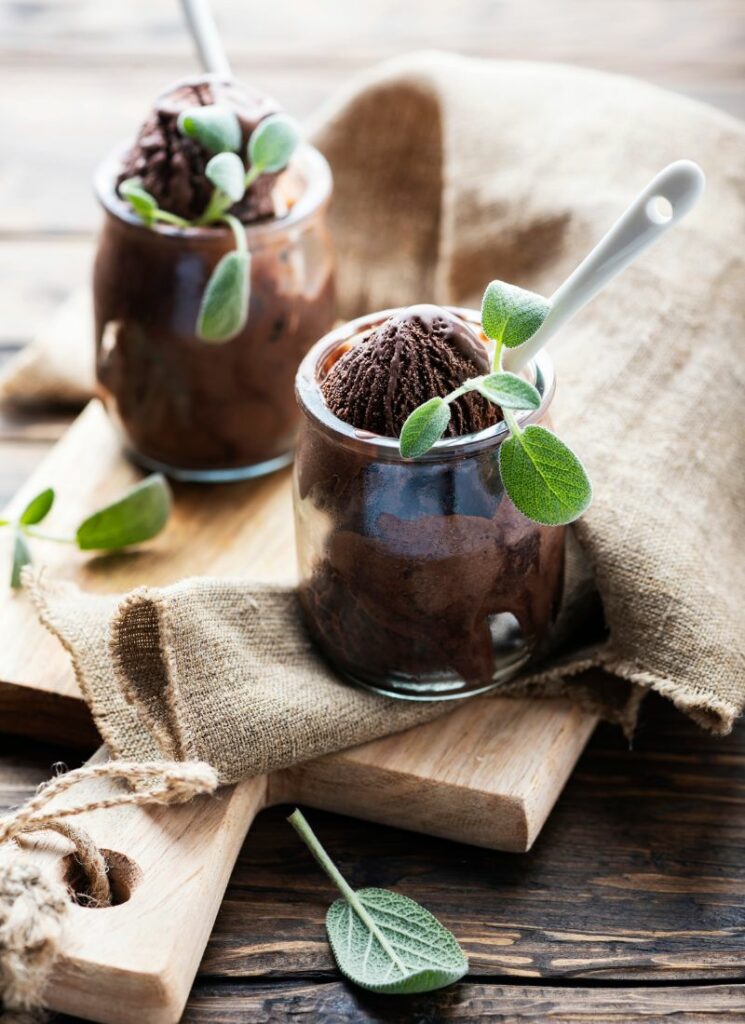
x=137 y=516
x=424 y=427
x=381 y=940
x=215 y=127
x=226 y=172
x=224 y=308
x=543 y=477
x=143 y=204
x=511 y=315
x=508 y=391
x=397 y=948
x=21 y=558
x=273 y=142
x=38 y=508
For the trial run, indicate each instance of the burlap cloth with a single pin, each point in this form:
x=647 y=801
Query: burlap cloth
x=450 y=172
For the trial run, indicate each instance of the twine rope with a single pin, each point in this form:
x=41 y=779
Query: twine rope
x=33 y=907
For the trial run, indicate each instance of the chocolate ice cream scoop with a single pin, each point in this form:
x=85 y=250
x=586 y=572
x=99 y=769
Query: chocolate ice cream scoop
x=172 y=166
x=419 y=353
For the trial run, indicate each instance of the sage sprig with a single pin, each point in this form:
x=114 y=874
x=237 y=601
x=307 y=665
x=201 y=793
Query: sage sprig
x=224 y=307
x=381 y=940
x=137 y=516
x=542 y=476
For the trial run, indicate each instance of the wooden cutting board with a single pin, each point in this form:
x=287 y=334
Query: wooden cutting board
x=487 y=774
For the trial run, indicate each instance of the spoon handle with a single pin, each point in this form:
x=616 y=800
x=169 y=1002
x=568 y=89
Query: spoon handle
x=206 y=38
x=665 y=201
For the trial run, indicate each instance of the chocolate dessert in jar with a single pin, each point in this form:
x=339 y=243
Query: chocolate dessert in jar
x=419 y=578
x=213 y=277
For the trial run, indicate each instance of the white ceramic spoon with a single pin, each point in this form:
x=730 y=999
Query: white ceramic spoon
x=206 y=37
x=665 y=201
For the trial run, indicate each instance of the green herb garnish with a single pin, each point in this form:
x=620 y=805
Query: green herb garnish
x=381 y=940
x=224 y=308
x=542 y=476
x=137 y=516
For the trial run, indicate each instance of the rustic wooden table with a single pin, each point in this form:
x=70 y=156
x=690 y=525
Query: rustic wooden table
x=632 y=904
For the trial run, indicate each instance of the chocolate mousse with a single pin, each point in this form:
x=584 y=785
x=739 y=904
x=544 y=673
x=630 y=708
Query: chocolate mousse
x=171 y=165
x=187 y=406
x=415 y=355
x=418 y=578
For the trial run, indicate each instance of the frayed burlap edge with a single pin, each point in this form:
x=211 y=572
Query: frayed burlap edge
x=72 y=639
x=704 y=707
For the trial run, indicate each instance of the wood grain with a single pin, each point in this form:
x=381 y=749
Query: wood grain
x=667 y=819
x=335 y=1003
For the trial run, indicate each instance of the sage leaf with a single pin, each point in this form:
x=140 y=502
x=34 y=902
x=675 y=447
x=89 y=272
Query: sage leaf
x=224 y=309
x=137 y=516
x=143 y=204
x=226 y=171
x=511 y=315
x=215 y=127
x=273 y=142
x=38 y=508
x=423 y=428
x=508 y=391
x=543 y=477
x=381 y=940
x=21 y=558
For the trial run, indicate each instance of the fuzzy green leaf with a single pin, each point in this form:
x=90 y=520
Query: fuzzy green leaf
x=226 y=171
x=381 y=940
x=38 y=508
x=143 y=204
x=416 y=954
x=273 y=142
x=543 y=477
x=136 y=517
x=510 y=314
x=21 y=558
x=423 y=428
x=215 y=127
x=508 y=391
x=224 y=308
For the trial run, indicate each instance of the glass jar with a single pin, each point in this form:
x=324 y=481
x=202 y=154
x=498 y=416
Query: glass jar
x=201 y=410
x=418 y=579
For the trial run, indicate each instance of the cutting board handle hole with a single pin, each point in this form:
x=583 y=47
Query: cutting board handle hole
x=124 y=877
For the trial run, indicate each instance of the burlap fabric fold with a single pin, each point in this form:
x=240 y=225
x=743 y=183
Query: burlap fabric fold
x=450 y=172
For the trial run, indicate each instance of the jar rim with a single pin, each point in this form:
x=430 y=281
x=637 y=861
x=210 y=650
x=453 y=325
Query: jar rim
x=313 y=167
x=540 y=372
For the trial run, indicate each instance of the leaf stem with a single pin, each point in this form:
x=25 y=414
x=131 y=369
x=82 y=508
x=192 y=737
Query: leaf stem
x=252 y=174
x=239 y=232
x=511 y=420
x=306 y=833
x=216 y=207
x=169 y=218
x=498 y=348
x=32 y=531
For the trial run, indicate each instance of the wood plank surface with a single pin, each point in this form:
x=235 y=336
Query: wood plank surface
x=632 y=901
x=664 y=822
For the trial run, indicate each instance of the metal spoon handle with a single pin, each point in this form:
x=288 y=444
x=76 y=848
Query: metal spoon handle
x=665 y=201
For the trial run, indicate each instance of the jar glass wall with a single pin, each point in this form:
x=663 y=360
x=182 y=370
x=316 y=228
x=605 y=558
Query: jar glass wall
x=203 y=410
x=419 y=578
